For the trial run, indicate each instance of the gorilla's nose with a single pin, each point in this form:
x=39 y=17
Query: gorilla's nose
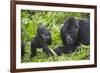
x=68 y=40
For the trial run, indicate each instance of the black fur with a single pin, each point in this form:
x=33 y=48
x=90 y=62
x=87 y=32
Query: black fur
x=84 y=32
x=74 y=32
x=41 y=40
x=22 y=49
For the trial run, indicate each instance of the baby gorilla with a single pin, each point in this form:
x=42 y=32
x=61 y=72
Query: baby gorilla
x=41 y=40
x=69 y=36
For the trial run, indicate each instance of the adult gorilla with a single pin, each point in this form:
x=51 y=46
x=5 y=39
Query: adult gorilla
x=73 y=32
x=41 y=40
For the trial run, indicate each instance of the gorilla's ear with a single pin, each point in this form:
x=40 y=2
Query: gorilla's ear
x=49 y=41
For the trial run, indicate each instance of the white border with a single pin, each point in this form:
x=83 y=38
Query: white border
x=20 y=65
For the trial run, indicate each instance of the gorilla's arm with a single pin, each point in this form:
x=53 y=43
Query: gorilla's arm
x=33 y=47
x=47 y=50
x=58 y=50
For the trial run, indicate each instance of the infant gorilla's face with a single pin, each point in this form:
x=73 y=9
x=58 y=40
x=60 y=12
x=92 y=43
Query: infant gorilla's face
x=44 y=34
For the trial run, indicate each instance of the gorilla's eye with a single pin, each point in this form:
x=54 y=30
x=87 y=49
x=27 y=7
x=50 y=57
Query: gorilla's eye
x=46 y=35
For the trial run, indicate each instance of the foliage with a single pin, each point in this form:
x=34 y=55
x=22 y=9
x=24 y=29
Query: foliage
x=81 y=53
x=30 y=20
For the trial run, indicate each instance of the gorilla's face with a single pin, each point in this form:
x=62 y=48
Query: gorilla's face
x=44 y=34
x=70 y=31
x=46 y=37
x=71 y=35
x=68 y=39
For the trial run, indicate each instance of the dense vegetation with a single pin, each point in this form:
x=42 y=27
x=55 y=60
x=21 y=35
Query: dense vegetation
x=30 y=20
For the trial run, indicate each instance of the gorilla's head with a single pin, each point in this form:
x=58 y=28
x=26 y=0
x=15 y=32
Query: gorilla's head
x=69 y=32
x=44 y=34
